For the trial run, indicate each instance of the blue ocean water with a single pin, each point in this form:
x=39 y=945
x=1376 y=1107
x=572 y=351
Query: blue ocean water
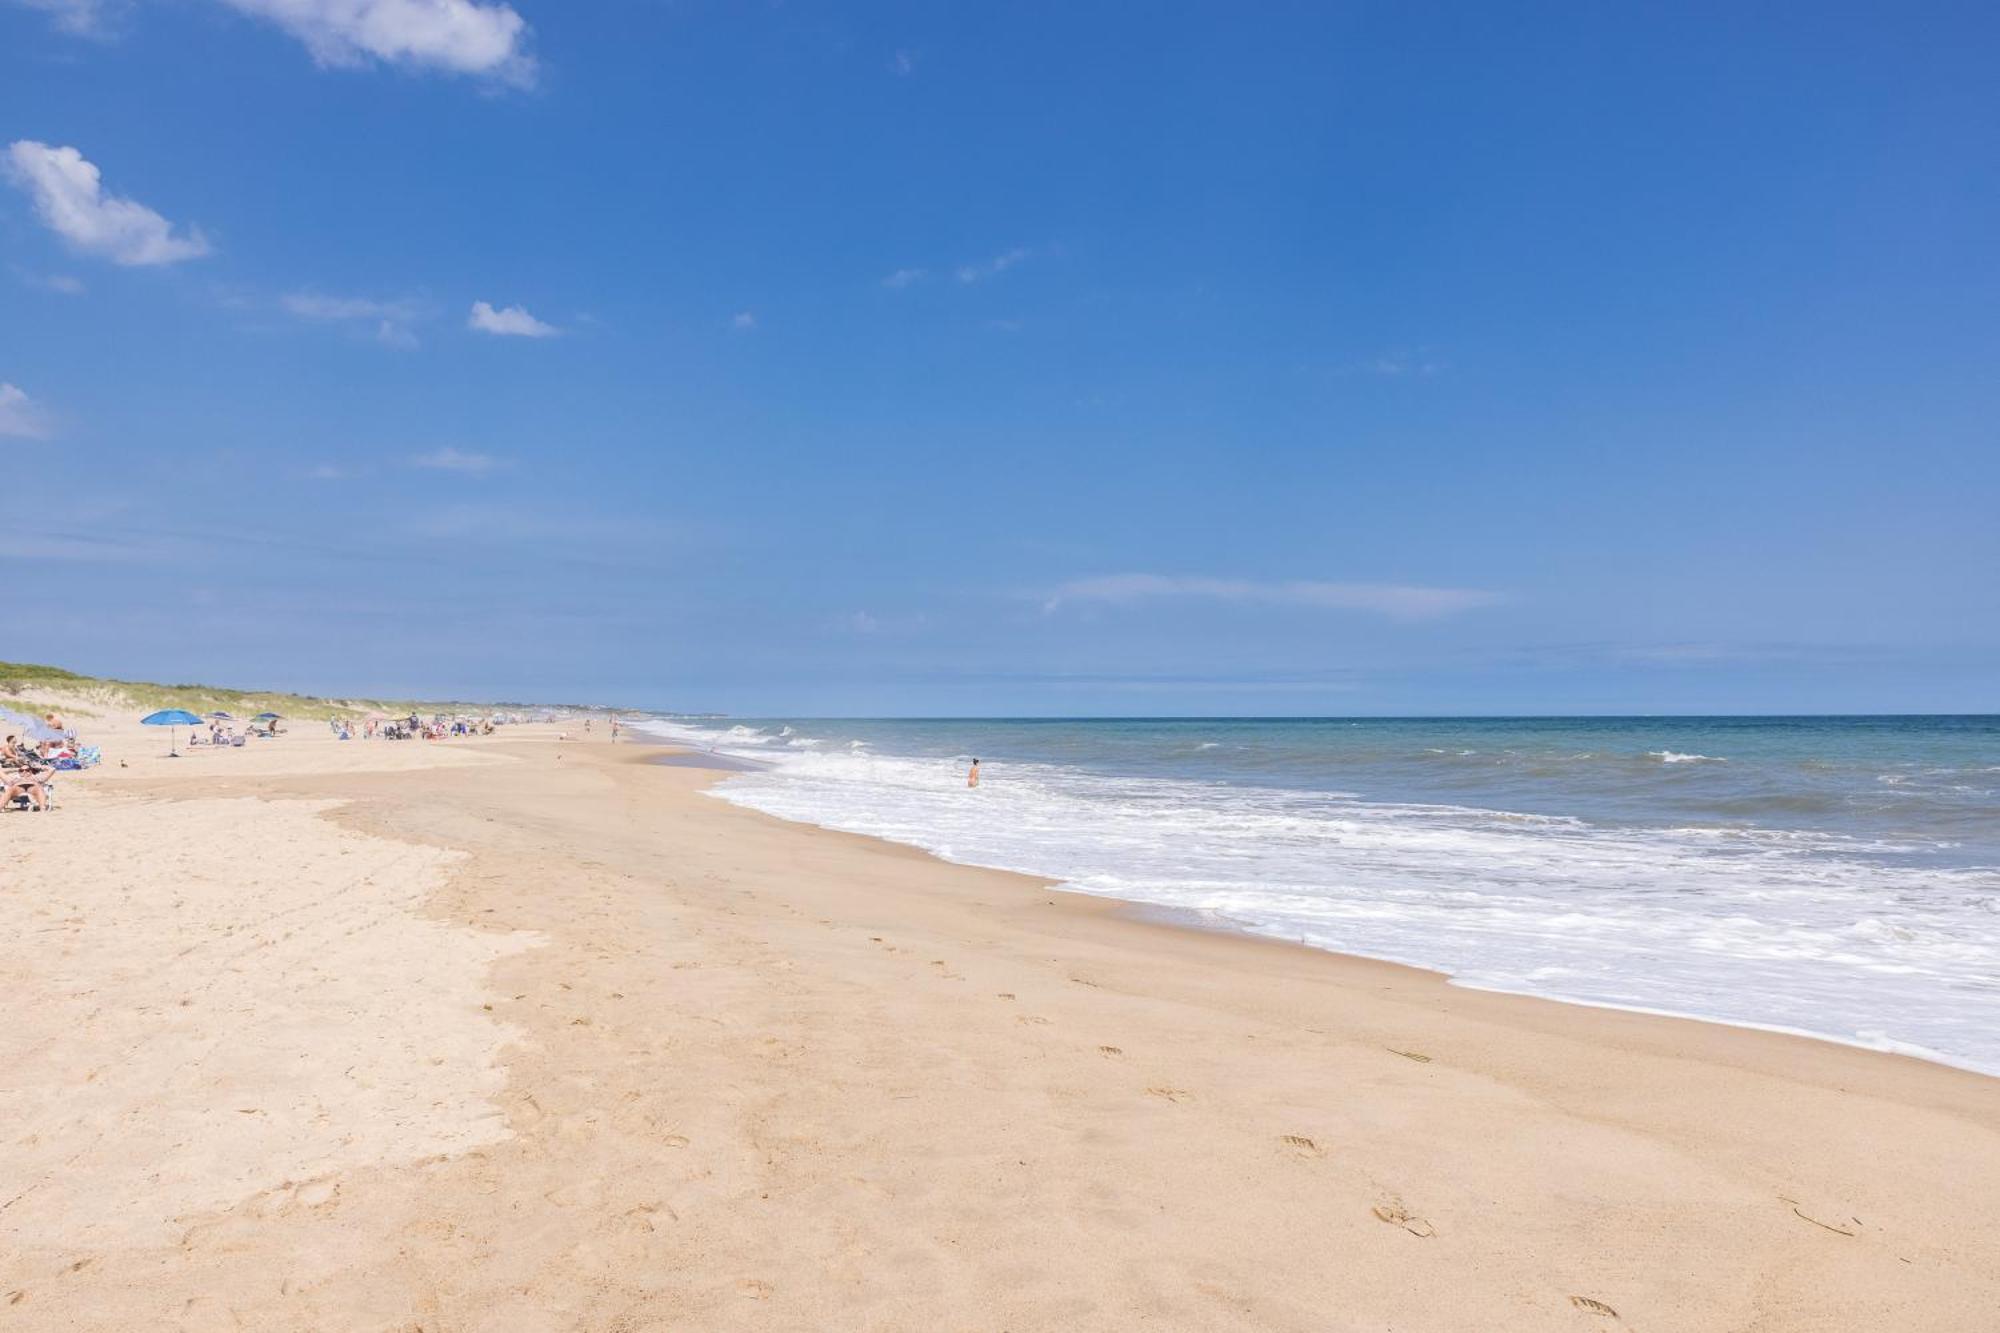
x=1834 y=876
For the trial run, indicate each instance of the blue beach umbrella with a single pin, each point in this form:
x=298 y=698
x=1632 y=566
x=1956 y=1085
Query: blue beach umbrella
x=267 y=717
x=171 y=717
x=220 y=716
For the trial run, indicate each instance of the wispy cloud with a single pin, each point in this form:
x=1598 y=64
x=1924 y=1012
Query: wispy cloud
x=21 y=416
x=70 y=200
x=743 y=321
x=62 y=283
x=455 y=36
x=1398 y=601
x=904 y=62
x=1396 y=365
x=509 y=322
x=84 y=18
x=1338 y=681
x=448 y=459
x=392 y=320
x=75 y=548
x=991 y=268
x=905 y=277
x=545 y=526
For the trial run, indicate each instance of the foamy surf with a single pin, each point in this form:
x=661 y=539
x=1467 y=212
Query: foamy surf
x=1761 y=897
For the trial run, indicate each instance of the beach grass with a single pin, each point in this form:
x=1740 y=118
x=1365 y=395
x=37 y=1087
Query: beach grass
x=28 y=686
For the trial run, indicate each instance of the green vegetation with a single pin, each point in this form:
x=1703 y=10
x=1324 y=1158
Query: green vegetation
x=25 y=687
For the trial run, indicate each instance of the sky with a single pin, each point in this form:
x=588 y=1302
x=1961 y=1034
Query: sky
x=1025 y=359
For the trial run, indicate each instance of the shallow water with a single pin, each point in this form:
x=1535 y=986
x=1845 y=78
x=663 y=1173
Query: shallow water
x=1835 y=876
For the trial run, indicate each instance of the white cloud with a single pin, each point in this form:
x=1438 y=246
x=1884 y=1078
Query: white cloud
x=743 y=321
x=1396 y=365
x=392 y=319
x=449 y=459
x=458 y=36
x=69 y=196
x=21 y=416
x=549 y=527
x=85 y=18
x=308 y=305
x=49 y=282
x=904 y=63
x=991 y=268
x=904 y=277
x=513 y=322
x=1395 y=600
x=328 y=472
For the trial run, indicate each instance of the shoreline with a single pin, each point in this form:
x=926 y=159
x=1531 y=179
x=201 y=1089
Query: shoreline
x=682 y=754
x=726 y=1070
x=1184 y=920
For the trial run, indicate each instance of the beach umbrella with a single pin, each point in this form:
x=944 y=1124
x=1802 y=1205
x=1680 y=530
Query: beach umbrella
x=267 y=717
x=171 y=717
x=220 y=717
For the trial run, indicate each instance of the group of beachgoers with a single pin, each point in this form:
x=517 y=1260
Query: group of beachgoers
x=409 y=728
x=29 y=764
x=223 y=732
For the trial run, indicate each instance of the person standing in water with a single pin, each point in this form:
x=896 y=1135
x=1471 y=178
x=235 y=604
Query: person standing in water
x=972 y=775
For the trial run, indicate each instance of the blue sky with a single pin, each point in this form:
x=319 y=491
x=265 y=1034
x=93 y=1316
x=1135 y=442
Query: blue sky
x=1049 y=359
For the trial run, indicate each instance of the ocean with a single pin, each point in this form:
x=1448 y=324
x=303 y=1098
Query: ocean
x=1833 y=876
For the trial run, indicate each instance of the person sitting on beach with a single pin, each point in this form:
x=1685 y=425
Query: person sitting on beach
x=33 y=787
x=27 y=776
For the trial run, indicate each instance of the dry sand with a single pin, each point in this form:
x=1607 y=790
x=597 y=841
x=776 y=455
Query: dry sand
x=526 y=1034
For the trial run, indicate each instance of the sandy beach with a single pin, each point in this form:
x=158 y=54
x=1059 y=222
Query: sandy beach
x=525 y=1033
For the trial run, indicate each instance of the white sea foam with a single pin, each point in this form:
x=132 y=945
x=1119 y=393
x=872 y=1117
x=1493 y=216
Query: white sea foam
x=1670 y=757
x=1855 y=939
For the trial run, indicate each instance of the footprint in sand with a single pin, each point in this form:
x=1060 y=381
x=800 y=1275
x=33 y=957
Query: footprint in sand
x=1594 y=1307
x=752 y=1288
x=1111 y=1051
x=1036 y=1019
x=1302 y=1145
x=1005 y=995
x=1410 y=1055
x=1395 y=1214
x=641 y=1215
x=1175 y=1095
